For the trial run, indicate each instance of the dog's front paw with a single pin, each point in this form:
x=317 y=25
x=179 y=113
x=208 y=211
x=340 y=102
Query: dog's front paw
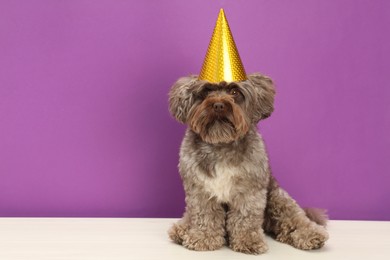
x=309 y=238
x=178 y=232
x=200 y=241
x=249 y=243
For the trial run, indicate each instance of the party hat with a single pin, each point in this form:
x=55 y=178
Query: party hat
x=222 y=61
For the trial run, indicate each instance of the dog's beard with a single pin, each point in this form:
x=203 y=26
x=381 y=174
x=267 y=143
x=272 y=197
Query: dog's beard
x=215 y=128
x=219 y=131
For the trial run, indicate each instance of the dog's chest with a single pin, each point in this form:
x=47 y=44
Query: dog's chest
x=221 y=184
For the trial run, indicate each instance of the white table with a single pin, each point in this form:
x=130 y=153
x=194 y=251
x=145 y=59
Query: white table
x=120 y=238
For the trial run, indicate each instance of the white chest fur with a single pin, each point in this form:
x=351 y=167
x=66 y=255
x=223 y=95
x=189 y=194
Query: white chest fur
x=221 y=184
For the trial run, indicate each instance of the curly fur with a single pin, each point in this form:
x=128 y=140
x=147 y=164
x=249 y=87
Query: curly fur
x=231 y=197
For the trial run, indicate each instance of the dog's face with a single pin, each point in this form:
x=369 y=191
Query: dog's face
x=224 y=112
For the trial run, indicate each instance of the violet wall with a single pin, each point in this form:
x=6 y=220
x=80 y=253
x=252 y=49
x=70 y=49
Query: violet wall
x=84 y=124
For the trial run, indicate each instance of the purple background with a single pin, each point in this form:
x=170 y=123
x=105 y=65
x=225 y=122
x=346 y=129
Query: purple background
x=84 y=123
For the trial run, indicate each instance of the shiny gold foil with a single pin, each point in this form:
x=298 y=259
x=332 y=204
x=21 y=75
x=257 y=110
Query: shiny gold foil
x=222 y=61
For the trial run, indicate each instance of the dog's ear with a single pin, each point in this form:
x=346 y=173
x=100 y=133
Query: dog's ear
x=181 y=97
x=265 y=93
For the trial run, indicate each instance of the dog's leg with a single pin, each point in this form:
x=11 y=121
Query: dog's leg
x=244 y=223
x=202 y=226
x=288 y=222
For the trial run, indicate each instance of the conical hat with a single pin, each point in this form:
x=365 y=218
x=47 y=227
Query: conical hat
x=222 y=61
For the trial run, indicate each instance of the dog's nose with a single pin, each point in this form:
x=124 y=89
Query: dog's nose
x=219 y=107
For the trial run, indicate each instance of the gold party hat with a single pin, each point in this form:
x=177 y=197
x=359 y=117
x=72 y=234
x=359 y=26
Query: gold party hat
x=222 y=62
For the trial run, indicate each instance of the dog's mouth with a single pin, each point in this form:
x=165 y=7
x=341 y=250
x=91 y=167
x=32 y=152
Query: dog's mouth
x=221 y=121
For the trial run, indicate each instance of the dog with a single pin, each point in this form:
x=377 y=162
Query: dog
x=231 y=196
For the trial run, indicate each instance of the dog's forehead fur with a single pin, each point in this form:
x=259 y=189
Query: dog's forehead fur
x=223 y=87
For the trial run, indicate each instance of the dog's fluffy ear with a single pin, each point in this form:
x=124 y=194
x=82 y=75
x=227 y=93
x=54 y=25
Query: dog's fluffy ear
x=181 y=97
x=265 y=93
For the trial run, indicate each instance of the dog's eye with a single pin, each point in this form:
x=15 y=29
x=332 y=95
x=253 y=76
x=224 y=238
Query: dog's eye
x=234 y=92
x=237 y=95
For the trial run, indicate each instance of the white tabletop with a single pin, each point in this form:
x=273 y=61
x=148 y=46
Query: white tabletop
x=120 y=238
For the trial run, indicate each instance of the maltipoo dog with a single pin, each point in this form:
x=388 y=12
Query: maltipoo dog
x=231 y=196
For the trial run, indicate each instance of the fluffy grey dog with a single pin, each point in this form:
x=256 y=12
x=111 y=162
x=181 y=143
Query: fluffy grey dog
x=231 y=196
